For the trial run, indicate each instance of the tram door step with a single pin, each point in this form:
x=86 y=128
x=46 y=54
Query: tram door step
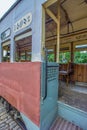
x=62 y=124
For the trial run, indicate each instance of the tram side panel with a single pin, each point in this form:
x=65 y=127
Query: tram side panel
x=49 y=95
x=20 y=86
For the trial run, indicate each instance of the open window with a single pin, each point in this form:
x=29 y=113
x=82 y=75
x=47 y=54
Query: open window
x=6 y=51
x=51 y=53
x=65 y=53
x=23 y=47
x=80 y=52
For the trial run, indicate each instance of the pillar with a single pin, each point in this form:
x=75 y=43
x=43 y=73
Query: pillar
x=0 y=52
x=38 y=30
x=12 y=50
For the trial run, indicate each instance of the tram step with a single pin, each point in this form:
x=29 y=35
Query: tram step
x=62 y=124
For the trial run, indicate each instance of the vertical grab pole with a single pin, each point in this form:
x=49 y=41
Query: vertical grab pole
x=46 y=59
x=58 y=33
x=44 y=52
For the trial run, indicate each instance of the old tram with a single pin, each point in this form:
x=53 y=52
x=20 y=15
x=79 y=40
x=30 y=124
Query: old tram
x=42 y=91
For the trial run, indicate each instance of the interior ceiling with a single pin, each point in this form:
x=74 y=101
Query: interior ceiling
x=73 y=17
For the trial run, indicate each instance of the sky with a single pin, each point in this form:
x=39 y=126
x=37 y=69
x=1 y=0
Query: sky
x=5 y=5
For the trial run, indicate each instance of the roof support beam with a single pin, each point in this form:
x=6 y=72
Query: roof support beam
x=57 y=21
x=49 y=3
x=50 y=13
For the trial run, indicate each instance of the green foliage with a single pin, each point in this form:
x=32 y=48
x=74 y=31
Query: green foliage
x=64 y=57
x=51 y=57
x=80 y=57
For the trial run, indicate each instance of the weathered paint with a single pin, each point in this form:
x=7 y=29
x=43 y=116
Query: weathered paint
x=20 y=86
x=72 y=114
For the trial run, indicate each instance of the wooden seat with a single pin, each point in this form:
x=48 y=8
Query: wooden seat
x=66 y=73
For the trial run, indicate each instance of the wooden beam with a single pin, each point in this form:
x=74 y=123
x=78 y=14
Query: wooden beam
x=72 y=53
x=49 y=3
x=50 y=13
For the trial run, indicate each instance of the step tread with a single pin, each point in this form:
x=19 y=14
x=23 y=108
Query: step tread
x=62 y=124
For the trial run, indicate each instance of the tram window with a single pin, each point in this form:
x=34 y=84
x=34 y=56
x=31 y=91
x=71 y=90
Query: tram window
x=23 y=56
x=51 y=57
x=64 y=57
x=28 y=56
x=80 y=57
x=81 y=46
x=6 y=53
x=23 y=49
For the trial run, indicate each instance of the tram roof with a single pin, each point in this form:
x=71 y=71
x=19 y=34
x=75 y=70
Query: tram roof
x=73 y=14
x=10 y=9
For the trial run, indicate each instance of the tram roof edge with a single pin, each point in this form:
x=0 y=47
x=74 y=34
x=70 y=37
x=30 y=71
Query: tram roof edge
x=10 y=9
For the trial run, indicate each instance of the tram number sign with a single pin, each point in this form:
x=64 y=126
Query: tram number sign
x=5 y=34
x=23 y=22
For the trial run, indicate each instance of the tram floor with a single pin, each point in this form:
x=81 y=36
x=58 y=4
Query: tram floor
x=75 y=96
x=6 y=120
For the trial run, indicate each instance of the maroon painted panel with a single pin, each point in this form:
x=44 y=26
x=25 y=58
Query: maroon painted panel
x=20 y=86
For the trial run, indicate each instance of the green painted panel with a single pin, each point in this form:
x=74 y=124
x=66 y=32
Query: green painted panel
x=49 y=105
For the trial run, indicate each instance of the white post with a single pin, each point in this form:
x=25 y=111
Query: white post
x=12 y=50
x=43 y=34
x=0 y=52
x=58 y=33
x=38 y=32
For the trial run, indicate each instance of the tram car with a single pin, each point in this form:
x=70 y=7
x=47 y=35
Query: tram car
x=33 y=34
